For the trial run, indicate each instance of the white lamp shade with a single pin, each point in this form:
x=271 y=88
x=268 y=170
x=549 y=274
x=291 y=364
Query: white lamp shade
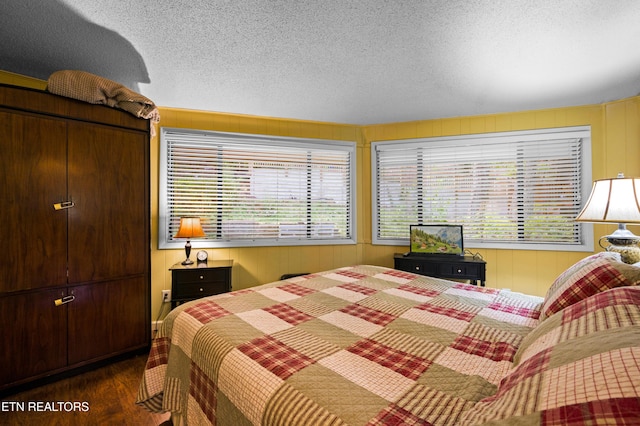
x=613 y=200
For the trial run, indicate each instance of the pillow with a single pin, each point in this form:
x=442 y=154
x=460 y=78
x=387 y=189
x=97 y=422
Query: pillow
x=579 y=367
x=606 y=311
x=591 y=275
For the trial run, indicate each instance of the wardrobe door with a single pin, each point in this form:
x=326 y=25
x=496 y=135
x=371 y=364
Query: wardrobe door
x=108 y=227
x=33 y=177
x=34 y=335
x=107 y=318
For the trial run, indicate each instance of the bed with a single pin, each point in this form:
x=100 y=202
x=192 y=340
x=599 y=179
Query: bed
x=369 y=345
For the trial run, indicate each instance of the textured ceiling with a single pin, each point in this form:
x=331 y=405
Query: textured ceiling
x=359 y=62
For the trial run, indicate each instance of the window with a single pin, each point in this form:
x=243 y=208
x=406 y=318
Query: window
x=253 y=190
x=509 y=190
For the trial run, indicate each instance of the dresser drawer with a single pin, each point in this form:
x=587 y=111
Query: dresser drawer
x=459 y=270
x=416 y=266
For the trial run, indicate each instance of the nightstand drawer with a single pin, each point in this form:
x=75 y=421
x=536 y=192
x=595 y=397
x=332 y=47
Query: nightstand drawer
x=201 y=275
x=188 y=291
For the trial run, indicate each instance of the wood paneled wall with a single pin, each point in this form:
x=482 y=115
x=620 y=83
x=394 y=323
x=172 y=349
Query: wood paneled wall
x=615 y=148
x=256 y=265
x=7 y=77
x=615 y=130
x=526 y=271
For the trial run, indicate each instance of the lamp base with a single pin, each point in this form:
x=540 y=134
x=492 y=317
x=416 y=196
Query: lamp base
x=187 y=251
x=624 y=242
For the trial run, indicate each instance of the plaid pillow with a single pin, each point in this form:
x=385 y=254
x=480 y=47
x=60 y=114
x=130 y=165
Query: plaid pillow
x=588 y=276
x=580 y=367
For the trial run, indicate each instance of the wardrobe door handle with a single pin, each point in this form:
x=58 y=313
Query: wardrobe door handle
x=63 y=205
x=64 y=300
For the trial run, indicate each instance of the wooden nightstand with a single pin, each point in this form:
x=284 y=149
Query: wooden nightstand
x=198 y=280
x=456 y=267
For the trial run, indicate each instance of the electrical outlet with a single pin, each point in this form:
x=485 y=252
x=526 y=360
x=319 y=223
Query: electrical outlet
x=166 y=296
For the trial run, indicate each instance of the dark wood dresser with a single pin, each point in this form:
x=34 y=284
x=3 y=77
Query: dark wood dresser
x=444 y=266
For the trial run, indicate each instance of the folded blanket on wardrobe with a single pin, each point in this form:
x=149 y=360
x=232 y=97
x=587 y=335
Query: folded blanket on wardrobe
x=94 y=89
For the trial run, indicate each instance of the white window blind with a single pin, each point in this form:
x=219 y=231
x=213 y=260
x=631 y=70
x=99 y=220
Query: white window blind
x=256 y=190
x=508 y=190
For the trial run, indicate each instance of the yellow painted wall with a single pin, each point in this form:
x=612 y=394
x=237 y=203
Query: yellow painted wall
x=615 y=130
x=7 y=77
x=255 y=265
x=615 y=148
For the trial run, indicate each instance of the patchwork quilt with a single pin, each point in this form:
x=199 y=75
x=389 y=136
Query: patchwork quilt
x=362 y=345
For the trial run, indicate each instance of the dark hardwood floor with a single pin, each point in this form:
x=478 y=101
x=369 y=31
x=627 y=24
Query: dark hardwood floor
x=106 y=396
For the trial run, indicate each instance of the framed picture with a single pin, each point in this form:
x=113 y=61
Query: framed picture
x=437 y=239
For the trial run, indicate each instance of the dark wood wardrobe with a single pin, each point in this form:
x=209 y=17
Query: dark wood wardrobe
x=75 y=232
